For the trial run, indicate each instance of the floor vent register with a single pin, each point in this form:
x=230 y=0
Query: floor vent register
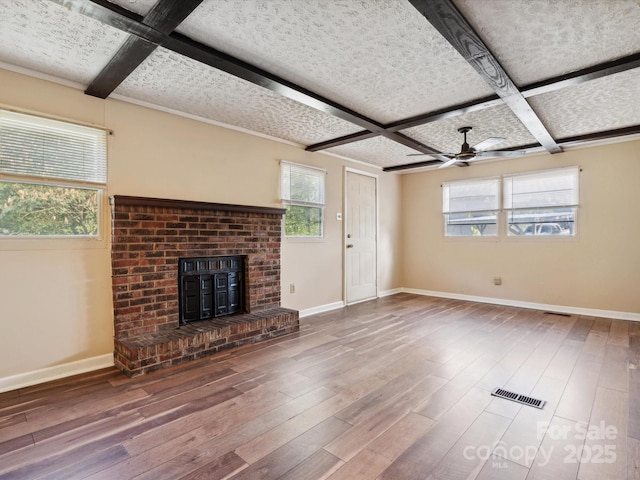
x=516 y=397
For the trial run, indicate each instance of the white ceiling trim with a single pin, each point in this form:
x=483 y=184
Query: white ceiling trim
x=42 y=76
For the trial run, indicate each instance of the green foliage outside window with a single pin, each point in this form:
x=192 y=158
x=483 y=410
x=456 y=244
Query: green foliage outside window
x=32 y=209
x=301 y=221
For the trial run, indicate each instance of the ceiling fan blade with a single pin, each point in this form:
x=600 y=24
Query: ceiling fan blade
x=488 y=143
x=448 y=163
x=501 y=153
x=416 y=154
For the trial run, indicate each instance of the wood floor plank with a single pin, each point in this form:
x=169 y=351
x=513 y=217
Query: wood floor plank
x=369 y=428
x=546 y=349
x=521 y=441
x=470 y=452
x=559 y=454
x=633 y=459
x=77 y=416
x=418 y=460
x=198 y=462
x=91 y=463
x=318 y=466
x=263 y=444
x=394 y=388
x=563 y=362
x=293 y=453
x=634 y=383
x=56 y=453
x=594 y=347
x=581 y=329
x=14 y=419
x=615 y=369
x=447 y=396
x=605 y=450
x=263 y=409
x=218 y=469
x=497 y=468
x=228 y=431
x=382 y=451
x=577 y=400
x=619 y=333
x=16 y=443
x=385 y=395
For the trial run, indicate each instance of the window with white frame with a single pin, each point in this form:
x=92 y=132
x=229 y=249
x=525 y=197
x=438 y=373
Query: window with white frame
x=302 y=191
x=542 y=203
x=471 y=207
x=52 y=176
x=534 y=203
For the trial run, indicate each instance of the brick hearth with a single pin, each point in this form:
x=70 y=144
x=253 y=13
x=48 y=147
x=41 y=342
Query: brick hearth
x=149 y=236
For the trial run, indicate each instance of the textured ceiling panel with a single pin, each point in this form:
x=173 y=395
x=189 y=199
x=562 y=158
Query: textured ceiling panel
x=45 y=37
x=604 y=104
x=173 y=81
x=380 y=58
x=378 y=151
x=538 y=39
x=491 y=122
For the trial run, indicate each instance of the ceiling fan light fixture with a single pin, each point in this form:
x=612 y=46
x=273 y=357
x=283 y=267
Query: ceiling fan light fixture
x=466 y=152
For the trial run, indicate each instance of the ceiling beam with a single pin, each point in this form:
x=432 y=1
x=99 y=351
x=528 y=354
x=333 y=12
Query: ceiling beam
x=346 y=139
x=451 y=112
x=163 y=17
x=409 y=166
x=595 y=136
x=452 y=25
x=124 y=20
x=545 y=86
x=584 y=75
x=573 y=141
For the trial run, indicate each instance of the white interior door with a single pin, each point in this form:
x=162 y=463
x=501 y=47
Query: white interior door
x=361 y=237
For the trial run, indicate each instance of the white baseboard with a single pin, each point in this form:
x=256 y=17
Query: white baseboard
x=35 y=377
x=536 y=306
x=386 y=293
x=321 y=309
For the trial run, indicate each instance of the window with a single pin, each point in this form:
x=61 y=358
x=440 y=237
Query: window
x=302 y=191
x=470 y=207
x=52 y=175
x=537 y=203
x=542 y=203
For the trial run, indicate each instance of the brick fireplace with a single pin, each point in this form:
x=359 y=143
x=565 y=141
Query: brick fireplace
x=150 y=239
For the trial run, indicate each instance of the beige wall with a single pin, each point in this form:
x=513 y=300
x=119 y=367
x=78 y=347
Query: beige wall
x=599 y=269
x=64 y=313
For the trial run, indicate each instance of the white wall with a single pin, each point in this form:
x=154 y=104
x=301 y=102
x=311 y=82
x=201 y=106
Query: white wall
x=64 y=313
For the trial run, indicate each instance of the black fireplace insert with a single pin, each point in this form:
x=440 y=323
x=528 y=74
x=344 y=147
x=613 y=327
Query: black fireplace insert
x=210 y=287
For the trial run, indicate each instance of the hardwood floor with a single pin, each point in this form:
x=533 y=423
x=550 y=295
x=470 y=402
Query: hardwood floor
x=396 y=388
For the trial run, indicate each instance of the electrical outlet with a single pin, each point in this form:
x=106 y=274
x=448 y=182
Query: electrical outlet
x=292 y=288
x=497 y=280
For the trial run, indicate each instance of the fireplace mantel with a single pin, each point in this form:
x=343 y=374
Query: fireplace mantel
x=149 y=237
x=193 y=205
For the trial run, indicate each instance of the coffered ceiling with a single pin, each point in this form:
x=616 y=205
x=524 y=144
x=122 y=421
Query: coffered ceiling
x=386 y=82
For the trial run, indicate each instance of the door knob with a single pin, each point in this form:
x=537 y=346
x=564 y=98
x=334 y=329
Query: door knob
x=349 y=245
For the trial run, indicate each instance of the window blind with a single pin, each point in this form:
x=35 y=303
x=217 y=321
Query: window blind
x=552 y=188
x=40 y=147
x=471 y=195
x=302 y=185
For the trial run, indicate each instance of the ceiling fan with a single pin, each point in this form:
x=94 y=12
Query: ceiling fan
x=477 y=151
